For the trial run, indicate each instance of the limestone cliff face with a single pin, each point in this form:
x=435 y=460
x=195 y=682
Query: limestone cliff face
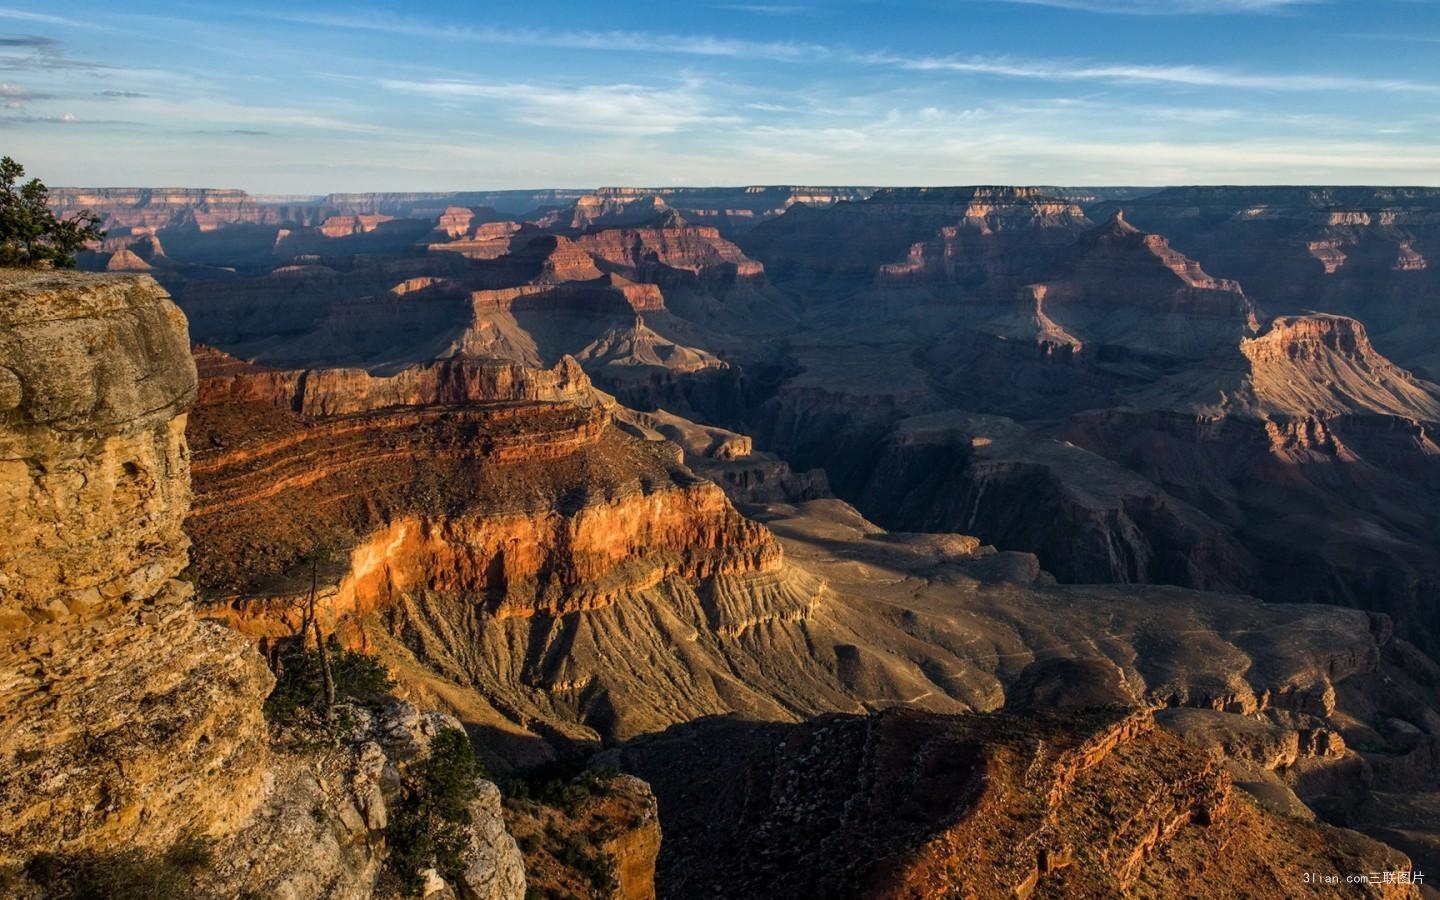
x=344 y=226
x=550 y=565
x=330 y=392
x=611 y=295
x=731 y=209
x=607 y=210
x=123 y=719
x=477 y=535
x=203 y=208
x=488 y=241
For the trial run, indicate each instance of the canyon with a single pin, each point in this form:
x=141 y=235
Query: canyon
x=902 y=542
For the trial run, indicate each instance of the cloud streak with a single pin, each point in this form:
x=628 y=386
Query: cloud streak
x=769 y=9
x=614 y=41
x=1052 y=70
x=1122 y=73
x=28 y=42
x=40 y=18
x=1166 y=7
x=605 y=108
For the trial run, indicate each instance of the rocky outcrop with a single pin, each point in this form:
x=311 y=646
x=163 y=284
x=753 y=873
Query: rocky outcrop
x=545 y=259
x=320 y=827
x=607 y=209
x=1357 y=478
x=1123 y=288
x=1324 y=364
x=610 y=295
x=126 y=721
x=518 y=511
x=670 y=253
x=346 y=226
x=901 y=803
x=729 y=459
x=646 y=370
x=488 y=241
x=611 y=819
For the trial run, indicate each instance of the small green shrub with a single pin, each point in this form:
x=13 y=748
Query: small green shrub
x=431 y=828
x=564 y=784
x=593 y=865
x=299 y=686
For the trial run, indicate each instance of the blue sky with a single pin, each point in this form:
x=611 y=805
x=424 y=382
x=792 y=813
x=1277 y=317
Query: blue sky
x=325 y=96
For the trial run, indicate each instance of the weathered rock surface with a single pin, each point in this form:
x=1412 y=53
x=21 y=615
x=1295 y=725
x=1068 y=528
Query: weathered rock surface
x=320 y=827
x=123 y=719
x=730 y=460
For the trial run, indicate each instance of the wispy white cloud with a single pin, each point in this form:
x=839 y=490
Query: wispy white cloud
x=62 y=119
x=1403 y=38
x=1055 y=70
x=1186 y=75
x=40 y=18
x=610 y=108
x=615 y=41
x=13 y=96
x=770 y=9
x=1168 y=7
x=34 y=52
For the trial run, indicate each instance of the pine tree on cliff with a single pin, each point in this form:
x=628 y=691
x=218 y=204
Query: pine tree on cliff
x=30 y=232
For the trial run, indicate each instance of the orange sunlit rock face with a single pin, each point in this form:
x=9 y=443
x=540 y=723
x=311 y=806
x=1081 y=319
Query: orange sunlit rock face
x=496 y=482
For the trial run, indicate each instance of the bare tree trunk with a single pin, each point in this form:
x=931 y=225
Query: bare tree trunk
x=325 y=675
